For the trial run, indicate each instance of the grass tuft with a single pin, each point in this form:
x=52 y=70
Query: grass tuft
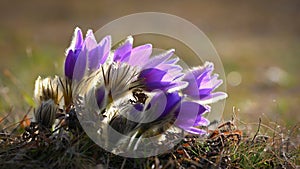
x=225 y=147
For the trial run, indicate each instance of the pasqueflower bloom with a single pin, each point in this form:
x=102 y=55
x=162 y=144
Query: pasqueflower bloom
x=126 y=69
x=202 y=83
x=126 y=81
x=158 y=72
x=85 y=55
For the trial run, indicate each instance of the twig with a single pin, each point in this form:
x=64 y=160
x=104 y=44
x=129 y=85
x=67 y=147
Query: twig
x=2 y=119
x=123 y=163
x=21 y=120
x=107 y=162
x=257 y=130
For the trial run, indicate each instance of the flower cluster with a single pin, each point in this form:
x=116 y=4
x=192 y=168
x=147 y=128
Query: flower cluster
x=128 y=88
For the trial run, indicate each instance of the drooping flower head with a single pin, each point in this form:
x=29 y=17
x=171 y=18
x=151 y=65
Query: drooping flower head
x=47 y=89
x=47 y=95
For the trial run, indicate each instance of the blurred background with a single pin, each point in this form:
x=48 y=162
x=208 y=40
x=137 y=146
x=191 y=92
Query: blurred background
x=258 y=43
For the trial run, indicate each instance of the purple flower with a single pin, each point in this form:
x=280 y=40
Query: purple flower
x=189 y=117
x=186 y=114
x=170 y=94
x=127 y=88
x=152 y=79
x=73 y=52
x=171 y=104
x=186 y=108
x=161 y=72
x=137 y=56
x=123 y=52
x=158 y=72
x=85 y=55
x=201 y=84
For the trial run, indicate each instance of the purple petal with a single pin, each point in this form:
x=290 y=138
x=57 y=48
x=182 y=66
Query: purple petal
x=176 y=86
x=73 y=52
x=213 y=97
x=100 y=94
x=90 y=34
x=90 y=41
x=159 y=85
x=173 y=100
x=106 y=45
x=211 y=82
x=201 y=121
x=205 y=76
x=152 y=79
x=152 y=74
x=78 y=38
x=80 y=66
x=70 y=63
x=172 y=61
x=158 y=105
x=194 y=130
x=94 y=57
x=192 y=89
x=93 y=52
x=173 y=72
x=123 y=52
x=208 y=67
x=140 y=55
x=204 y=93
x=139 y=107
x=162 y=104
x=99 y=53
x=187 y=115
x=159 y=59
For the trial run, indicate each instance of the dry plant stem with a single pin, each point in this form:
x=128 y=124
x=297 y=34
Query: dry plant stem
x=123 y=163
x=19 y=123
x=6 y=116
x=258 y=128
